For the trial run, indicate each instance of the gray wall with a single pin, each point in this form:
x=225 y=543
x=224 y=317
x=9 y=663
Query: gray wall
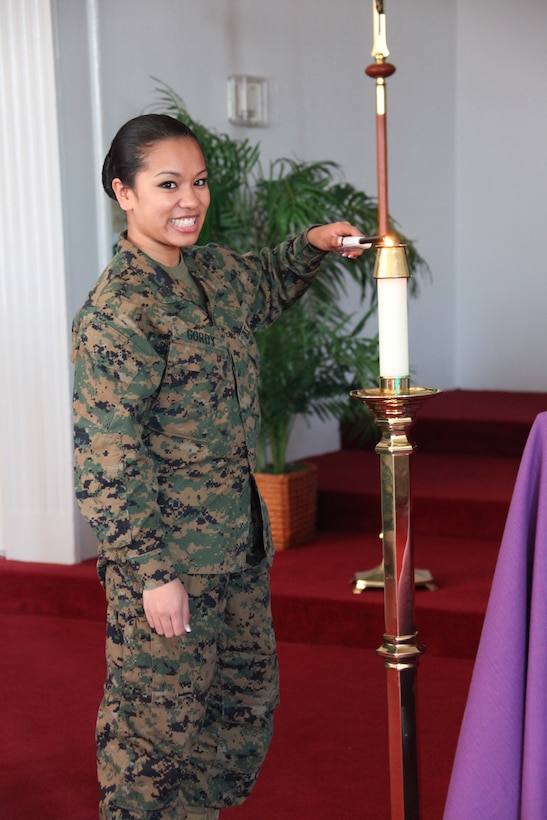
x=501 y=331
x=76 y=117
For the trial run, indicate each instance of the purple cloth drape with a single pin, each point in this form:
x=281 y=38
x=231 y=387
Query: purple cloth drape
x=500 y=768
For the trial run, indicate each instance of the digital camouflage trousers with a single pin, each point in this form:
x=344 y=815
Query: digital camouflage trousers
x=187 y=721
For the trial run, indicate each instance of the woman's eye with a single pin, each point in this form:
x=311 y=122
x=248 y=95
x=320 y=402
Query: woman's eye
x=168 y=185
x=201 y=183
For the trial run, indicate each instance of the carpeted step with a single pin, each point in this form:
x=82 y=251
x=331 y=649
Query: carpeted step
x=452 y=495
x=51 y=589
x=312 y=592
x=477 y=422
x=313 y=598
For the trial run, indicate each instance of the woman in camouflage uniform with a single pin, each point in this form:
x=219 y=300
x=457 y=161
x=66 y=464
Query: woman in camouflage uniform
x=165 y=422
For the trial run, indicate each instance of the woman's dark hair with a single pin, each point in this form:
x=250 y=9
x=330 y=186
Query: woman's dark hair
x=127 y=153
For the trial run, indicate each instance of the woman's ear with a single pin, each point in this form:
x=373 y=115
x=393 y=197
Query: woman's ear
x=123 y=194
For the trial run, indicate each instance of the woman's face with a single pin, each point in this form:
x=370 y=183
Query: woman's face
x=167 y=205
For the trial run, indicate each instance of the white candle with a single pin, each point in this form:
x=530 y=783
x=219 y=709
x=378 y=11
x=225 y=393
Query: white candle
x=393 y=328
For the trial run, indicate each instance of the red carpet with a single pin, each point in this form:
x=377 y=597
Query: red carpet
x=313 y=600
x=329 y=754
x=453 y=495
x=52 y=674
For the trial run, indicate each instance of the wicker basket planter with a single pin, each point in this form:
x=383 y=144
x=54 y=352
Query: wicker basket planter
x=291 y=499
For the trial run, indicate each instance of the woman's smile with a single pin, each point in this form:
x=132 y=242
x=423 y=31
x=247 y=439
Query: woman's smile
x=185 y=223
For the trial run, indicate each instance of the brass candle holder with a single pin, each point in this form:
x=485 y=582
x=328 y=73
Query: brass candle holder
x=391 y=263
x=394 y=405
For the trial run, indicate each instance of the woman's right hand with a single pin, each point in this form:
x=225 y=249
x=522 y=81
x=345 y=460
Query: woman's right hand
x=167 y=609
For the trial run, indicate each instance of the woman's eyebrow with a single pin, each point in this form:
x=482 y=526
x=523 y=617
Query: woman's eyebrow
x=177 y=173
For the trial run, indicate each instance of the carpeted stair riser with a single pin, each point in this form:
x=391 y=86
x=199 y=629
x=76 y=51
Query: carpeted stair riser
x=451 y=495
x=466 y=518
x=312 y=598
x=472 y=422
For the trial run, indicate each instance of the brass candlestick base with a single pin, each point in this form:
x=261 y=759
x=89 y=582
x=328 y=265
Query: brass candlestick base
x=375 y=579
x=395 y=405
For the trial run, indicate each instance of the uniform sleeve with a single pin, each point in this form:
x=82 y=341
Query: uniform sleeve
x=116 y=375
x=287 y=271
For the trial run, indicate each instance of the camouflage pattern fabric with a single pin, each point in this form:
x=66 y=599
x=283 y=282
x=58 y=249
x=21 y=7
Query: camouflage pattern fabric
x=187 y=721
x=166 y=412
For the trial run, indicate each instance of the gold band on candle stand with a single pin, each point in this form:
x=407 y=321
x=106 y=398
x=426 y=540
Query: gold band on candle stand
x=380 y=97
x=395 y=387
x=391 y=262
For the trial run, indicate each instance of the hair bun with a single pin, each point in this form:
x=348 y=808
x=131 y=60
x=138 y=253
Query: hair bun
x=108 y=175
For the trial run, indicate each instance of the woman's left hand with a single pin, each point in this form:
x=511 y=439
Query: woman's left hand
x=167 y=609
x=329 y=238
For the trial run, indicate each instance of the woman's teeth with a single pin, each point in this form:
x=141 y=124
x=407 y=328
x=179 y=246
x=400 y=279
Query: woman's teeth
x=186 y=222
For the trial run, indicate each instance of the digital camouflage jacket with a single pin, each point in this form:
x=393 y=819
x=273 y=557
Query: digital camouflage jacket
x=166 y=412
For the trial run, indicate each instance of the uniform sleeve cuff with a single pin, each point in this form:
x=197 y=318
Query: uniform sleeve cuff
x=154 y=568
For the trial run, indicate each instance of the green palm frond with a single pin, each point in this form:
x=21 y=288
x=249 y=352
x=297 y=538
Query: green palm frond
x=311 y=358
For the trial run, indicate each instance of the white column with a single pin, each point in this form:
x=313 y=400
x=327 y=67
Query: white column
x=37 y=513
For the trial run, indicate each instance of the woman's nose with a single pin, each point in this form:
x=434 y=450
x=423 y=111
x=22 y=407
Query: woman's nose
x=188 y=196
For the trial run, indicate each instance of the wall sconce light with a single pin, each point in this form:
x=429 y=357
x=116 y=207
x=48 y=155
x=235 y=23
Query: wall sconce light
x=248 y=100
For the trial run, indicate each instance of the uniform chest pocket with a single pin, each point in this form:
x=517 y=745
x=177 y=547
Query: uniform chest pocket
x=196 y=386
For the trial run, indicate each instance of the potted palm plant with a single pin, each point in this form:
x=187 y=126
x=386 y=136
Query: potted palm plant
x=315 y=353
